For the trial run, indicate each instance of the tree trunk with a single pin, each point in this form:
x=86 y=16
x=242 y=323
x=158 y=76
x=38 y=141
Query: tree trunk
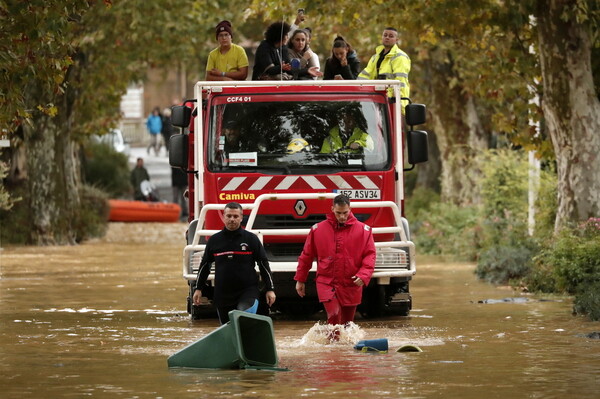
x=460 y=135
x=571 y=110
x=53 y=179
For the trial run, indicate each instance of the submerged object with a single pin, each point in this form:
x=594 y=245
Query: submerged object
x=409 y=348
x=247 y=341
x=143 y=211
x=372 y=345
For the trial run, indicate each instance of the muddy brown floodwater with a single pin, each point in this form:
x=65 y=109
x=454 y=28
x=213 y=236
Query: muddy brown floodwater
x=100 y=320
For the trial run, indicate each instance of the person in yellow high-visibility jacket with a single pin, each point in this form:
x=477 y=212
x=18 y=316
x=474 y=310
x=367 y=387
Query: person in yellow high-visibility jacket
x=347 y=137
x=389 y=62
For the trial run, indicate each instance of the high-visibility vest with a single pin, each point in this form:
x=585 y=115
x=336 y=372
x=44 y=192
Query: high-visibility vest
x=395 y=65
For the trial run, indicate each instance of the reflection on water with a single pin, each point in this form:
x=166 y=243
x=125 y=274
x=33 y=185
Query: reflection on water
x=100 y=320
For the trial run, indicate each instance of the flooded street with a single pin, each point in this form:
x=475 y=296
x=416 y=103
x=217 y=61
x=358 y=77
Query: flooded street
x=100 y=320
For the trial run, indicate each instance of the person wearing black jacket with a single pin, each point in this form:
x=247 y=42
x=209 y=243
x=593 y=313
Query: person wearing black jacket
x=235 y=253
x=343 y=63
x=272 y=61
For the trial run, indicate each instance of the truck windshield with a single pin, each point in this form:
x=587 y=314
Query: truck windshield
x=308 y=137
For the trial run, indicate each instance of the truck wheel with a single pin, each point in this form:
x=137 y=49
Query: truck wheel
x=373 y=304
x=403 y=309
x=193 y=310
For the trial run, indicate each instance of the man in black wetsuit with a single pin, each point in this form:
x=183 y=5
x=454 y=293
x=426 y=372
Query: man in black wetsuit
x=235 y=252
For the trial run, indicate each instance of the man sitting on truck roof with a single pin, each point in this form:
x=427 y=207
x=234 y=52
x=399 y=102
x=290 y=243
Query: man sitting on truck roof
x=228 y=61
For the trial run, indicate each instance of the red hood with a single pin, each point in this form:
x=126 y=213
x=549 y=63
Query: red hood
x=331 y=219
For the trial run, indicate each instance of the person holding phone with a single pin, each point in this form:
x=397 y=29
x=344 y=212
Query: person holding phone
x=272 y=61
x=343 y=63
x=308 y=68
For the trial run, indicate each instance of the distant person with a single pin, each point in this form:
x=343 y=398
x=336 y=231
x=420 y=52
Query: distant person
x=272 y=61
x=345 y=254
x=167 y=128
x=389 y=62
x=347 y=136
x=228 y=61
x=154 y=125
x=343 y=63
x=179 y=184
x=235 y=253
x=300 y=53
x=138 y=175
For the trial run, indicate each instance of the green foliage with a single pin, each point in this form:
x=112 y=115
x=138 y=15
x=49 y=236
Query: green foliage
x=571 y=263
x=504 y=197
x=502 y=264
x=494 y=233
x=91 y=218
x=419 y=202
x=17 y=218
x=570 y=260
x=507 y=248
x=35 y=49
x=444 y=228
x=546 y=204
x=107 y=169
x=587 y=300
x=6 y=200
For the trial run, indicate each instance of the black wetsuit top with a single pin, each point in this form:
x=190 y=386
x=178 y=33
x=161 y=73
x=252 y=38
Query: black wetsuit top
x=235 y=254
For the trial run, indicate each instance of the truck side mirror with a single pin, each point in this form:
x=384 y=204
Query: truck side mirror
x=417 y=146
x=415 y=114
x=178 y=151
x=181 y=115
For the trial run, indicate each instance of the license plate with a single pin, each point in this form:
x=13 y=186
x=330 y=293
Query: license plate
x=361 y=194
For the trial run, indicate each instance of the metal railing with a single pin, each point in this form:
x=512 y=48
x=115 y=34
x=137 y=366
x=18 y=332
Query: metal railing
x=387 y=251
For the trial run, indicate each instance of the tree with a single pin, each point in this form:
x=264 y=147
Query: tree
x=568 y=31
x=65 y=67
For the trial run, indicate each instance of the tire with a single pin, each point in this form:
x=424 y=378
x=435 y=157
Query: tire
x=374 y=302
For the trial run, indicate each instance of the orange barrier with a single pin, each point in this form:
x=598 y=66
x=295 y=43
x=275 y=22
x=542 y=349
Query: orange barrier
x=141 y=211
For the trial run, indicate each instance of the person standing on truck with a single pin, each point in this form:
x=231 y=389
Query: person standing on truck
x=272 y=61
x=389 y=62
x=307 y=64
x=228 y=61
x=235 y=253
x=343 y=63
x=347 y=136
x=345 y=253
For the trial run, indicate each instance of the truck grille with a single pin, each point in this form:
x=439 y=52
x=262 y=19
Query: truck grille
x=286 y=222
x=284 y=252
x=289 y=222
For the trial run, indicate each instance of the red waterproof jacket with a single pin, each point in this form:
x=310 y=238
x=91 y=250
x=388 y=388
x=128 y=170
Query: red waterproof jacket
x=342 y=252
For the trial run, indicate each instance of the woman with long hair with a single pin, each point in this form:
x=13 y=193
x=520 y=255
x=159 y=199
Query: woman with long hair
x=307 y=64
x=343 y=63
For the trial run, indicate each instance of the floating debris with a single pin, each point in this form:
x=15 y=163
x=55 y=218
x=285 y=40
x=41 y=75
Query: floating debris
x=409 y=348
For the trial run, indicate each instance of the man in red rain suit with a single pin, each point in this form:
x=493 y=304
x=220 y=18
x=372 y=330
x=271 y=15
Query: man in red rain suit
x=345 y=253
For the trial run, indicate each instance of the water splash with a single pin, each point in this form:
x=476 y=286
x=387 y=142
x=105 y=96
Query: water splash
x=320 y=334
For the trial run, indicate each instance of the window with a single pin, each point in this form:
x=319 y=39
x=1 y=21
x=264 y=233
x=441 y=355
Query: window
x=305 y=137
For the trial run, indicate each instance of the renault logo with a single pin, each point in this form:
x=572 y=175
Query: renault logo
x=300 y=207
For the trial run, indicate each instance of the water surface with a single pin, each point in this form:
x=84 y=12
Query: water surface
x=100 y=320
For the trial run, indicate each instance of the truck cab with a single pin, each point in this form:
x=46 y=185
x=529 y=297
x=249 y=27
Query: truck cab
x=284 y=149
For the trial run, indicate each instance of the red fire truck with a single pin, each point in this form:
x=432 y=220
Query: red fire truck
x=268 y=145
